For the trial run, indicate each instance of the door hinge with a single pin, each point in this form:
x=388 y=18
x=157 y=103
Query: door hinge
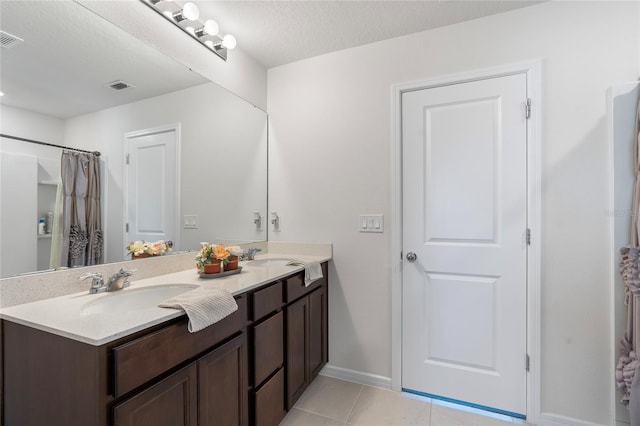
x=527 y=109
x=527 y=362
x=126 y=227
x=126 y=159
x=528 y=236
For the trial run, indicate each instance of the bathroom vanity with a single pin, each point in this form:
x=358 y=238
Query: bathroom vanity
x=247 y=369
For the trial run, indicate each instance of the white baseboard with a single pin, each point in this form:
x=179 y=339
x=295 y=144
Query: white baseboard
x=356 y=376
x=549 y=419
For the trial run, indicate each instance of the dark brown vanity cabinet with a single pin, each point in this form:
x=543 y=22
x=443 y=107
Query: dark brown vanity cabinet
x=268 y=356
x=210 y=391
x=247 y=369
x=306 y=331
x=160 y=376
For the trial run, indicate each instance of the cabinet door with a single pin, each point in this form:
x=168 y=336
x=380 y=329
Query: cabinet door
x=317 y=331
x=297 y=349
x=222 y=385
x=172 y=402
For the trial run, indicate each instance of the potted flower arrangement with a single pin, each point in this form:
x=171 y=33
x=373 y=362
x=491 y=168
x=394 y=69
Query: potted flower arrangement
x=209 y=259
x=232 y=260
x=142 y=249
x=212 y=258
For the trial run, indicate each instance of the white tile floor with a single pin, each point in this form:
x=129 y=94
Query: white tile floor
x=333 y=402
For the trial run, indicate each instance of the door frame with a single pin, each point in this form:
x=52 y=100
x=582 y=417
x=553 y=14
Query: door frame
x=125 y=184
x=533 y=70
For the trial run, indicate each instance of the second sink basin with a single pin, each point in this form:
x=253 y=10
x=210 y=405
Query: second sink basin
x=269 y=263
x=133 y=299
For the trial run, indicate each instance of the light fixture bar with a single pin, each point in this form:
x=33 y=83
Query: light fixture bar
x=186 y=18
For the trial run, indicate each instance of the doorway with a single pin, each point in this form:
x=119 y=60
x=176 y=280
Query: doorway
x=467 y=204
x=152 y=185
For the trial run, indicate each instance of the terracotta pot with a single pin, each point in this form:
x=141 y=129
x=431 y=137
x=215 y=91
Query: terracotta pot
x=232 y=264
x=212 y=268
x=139 y=256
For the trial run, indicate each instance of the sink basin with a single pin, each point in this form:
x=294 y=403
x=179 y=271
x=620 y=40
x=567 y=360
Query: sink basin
x=134 y=299
x=269 y=263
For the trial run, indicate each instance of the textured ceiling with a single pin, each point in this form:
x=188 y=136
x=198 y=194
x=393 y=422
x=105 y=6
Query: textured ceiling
x=280 y=32
x=69 y=53
x=68 y=56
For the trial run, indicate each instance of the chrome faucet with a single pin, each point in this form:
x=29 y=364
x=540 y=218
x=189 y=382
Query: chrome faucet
x=97 y=283
x=250 y=253
x=117 y=281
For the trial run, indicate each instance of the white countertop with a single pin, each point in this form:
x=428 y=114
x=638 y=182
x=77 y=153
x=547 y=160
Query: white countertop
x=64 y=315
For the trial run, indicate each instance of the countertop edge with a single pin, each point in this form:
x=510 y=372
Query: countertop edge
x=274 y=274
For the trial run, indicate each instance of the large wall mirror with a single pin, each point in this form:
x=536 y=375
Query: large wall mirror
x=55 y=79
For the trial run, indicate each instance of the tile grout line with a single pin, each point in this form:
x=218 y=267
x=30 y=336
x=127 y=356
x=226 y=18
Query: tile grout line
x=353 y=405
x=315 y=414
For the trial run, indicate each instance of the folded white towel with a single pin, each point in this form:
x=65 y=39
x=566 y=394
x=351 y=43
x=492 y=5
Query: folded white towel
x=204 y=306
x=312 y=270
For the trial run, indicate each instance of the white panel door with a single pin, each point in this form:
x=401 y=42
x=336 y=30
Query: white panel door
x=464 y=217
x=152 y=186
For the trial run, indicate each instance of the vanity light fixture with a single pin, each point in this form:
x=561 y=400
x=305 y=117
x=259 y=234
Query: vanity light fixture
x=186 y=17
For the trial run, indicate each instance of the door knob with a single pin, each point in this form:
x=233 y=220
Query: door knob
x=412 y=257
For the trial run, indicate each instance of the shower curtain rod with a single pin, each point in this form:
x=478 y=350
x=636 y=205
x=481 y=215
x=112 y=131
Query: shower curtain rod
x=96 y=153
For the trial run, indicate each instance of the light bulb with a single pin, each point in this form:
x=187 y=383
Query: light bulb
x=190 y=11
x=229 y=41
x=211 y=27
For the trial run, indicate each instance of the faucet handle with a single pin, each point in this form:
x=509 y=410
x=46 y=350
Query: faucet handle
x=94 y=275
x=96 y=281
x=125 y=272
x=250 y=253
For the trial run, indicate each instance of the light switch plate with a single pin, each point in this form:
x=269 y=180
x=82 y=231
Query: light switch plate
x=371 y=223
x=190 y=221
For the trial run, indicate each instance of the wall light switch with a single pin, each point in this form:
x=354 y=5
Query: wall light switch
x=190 y=221
x=371 y=223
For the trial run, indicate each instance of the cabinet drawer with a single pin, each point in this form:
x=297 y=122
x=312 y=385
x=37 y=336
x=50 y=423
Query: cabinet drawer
x=296 y=288
x=267 y=300
x=268 y=347
x=143 y=359
x=269 y=401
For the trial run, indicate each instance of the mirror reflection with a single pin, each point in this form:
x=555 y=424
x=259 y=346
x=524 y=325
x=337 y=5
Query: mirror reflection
x=197 y=154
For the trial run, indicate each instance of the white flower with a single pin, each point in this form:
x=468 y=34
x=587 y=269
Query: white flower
x=234 y=250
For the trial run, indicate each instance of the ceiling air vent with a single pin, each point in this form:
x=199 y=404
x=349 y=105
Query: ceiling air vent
x=7 y=40
x=119 y=85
